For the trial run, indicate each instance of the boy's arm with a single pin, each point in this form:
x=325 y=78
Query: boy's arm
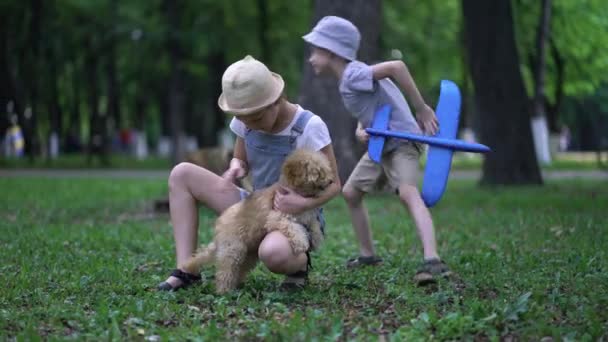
x=398 y=71
x=361 y=134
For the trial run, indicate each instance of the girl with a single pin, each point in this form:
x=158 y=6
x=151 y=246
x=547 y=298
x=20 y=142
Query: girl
x=268 y=128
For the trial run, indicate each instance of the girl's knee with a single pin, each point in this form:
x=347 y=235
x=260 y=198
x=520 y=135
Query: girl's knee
x=275 y=253
x=179 y=174
x=188 y=175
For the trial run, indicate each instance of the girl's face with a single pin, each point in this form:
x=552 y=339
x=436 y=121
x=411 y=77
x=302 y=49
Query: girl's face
x=262 y=120
x=320 y=60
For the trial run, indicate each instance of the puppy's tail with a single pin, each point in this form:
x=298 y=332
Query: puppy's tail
x=204 y=255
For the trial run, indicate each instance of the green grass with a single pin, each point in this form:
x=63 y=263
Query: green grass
x=461 y=161
x=79 y=161
x=562 y=161
x=81 y=258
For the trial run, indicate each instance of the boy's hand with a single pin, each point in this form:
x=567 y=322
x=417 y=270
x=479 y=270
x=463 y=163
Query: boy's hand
x=427 y=120
x=362 y=135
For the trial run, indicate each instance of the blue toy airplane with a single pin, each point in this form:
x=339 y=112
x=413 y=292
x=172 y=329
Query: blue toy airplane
x=442 y=145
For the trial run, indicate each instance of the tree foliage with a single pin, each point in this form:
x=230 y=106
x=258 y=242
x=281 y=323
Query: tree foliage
x=69 y=59
x=426 y=35
x=89 y=68
x=578 y=40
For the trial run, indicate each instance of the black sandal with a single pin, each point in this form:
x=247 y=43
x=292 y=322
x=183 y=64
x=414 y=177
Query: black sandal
x=430 y=271
x=297 y=280
x=187 y=279
x=364 y=261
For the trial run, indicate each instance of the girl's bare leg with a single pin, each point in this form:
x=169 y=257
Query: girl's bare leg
x=189 y=183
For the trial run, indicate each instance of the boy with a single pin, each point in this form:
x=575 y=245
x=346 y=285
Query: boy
x=364 y=88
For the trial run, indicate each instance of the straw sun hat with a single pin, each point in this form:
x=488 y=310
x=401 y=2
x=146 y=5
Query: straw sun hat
x=248 y=86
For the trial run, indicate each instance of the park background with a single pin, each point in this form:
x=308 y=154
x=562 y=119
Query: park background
x=96 y=86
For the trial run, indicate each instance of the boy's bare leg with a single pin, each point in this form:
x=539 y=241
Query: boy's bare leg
x=410 y=197
x=360 y=219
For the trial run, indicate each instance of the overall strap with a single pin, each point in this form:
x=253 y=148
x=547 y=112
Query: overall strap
x=298 y=127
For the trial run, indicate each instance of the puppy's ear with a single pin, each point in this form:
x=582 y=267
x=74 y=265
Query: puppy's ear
x=292 y=170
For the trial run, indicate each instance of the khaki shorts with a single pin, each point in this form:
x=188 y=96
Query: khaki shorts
x=400 y=166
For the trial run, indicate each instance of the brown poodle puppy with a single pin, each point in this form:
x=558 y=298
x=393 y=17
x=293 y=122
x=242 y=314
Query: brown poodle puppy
x=240 y=229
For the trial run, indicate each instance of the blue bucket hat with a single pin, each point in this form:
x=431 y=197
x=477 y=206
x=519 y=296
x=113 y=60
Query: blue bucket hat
x=337 y=35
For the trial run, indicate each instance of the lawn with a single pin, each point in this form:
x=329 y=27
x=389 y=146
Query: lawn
x=80 y=161
x=81 y=259
x=461 y=161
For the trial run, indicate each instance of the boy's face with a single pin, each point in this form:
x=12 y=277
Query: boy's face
x=262 y=120
x=320 y=60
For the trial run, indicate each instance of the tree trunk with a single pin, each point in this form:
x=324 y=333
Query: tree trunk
x=176 y=92
x=163 y=105
x=467 y=106
x=7 y=89
x=54 y=108
x=214 y=119
x=542 y=34
x=500 y=94
x=113 y=84
x=73 y=138
x=98 y=132
x=540 y=131
x=113 y=88
x=31 y=71
x=10 y=64
x=320 y=94
x=263 y=38
x=139 y=108
x=553 y=109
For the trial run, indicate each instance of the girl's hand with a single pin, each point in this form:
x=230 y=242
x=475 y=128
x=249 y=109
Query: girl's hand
x=427 y=120
x=289 y=202
x=235 y=171
x=362 y=135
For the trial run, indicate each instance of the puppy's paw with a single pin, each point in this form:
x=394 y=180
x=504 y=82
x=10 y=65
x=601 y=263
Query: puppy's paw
x=278 y=221
x=316 y=236
x=298 y=239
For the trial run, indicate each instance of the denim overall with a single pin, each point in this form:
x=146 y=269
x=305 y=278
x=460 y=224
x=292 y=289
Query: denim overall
x=267 y=152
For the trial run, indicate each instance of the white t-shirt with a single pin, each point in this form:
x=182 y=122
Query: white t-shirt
x=314 y=137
